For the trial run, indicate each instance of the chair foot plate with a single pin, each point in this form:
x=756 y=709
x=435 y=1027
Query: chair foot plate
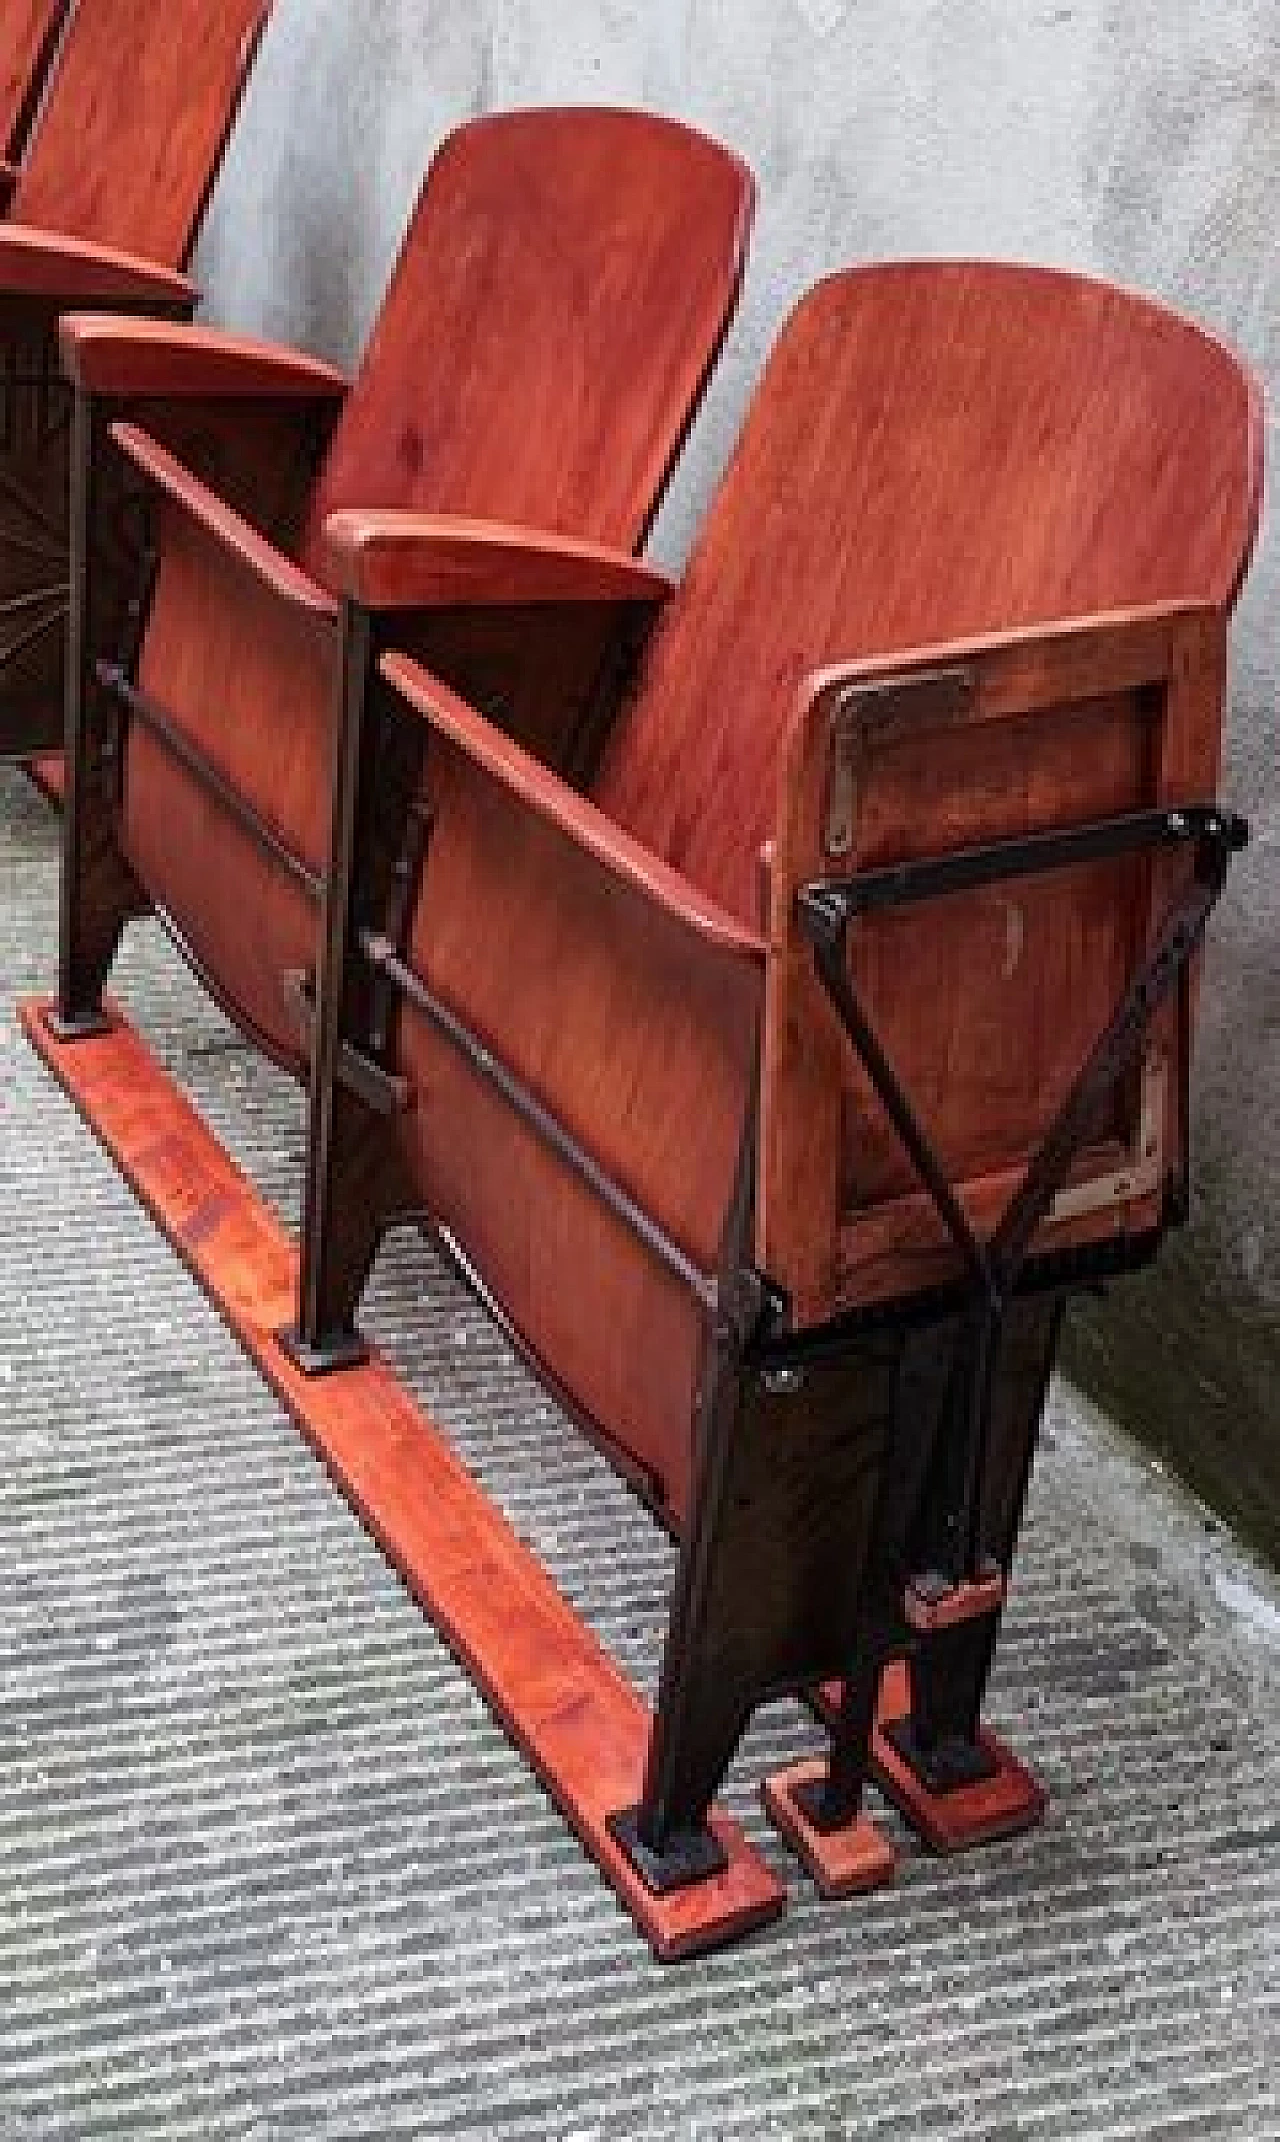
x=346 y=1349
x=560 y=1697
x=48 y=774
x=843 y=1862
x=1000 y=1804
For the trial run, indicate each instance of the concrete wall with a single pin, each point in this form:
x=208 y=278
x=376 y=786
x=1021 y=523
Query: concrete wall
x=1139 y=139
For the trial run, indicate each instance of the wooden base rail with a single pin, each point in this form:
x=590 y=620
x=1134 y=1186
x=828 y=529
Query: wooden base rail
x=563 y=1702
x=555 y=1690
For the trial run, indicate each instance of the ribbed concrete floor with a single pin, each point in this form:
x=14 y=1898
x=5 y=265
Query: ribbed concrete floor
x=268 y=1868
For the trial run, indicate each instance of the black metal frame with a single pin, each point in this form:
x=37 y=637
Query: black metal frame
x=827 y=908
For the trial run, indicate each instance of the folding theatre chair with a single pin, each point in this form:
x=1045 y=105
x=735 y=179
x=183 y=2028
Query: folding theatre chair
x=558 y=302
x=138 y=107
x=28 y=37
x=779 y=1075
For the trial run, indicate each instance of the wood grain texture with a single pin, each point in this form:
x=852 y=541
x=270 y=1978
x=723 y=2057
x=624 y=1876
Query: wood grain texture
x=558 y=1695
x=140 y=102
x=987 y=1002
x=103 y=212
x=937 y=451
x=926 y=375
x=407 y=561
x=550 y=799
x=546 y=335
x=64 y=270
x=230 y=531
x=581 y=967
x=586 y=262
x=250 y=674
x=28 y=35
x=111 y=356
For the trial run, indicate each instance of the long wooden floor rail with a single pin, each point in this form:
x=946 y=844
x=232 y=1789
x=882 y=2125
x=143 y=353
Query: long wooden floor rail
x=778 y=1035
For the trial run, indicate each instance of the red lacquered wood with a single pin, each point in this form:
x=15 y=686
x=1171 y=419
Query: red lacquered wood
x=1012 y=1799
x=1055 y=728
x=76 y=271
x=937 y=451
x=140 y=102
x=551 y=800
x=230 y=530
x=557 y=1693
x=406 y=561
x=632 y=1014
x=104 y=211
x=28 y=36
x=250 y=674
x=108 y=355
x=557 y=304
x=843 y=1863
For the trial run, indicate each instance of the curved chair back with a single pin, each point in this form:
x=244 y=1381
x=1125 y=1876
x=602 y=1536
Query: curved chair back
x=139 y=107
x=558 y=303
x=936 y=451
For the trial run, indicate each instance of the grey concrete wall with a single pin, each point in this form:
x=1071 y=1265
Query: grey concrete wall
x=1139 y=139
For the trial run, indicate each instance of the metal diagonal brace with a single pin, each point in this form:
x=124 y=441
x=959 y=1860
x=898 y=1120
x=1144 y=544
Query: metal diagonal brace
x=826 y=909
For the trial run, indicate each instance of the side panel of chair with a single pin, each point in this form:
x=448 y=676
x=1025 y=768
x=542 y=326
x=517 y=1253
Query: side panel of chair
x=139 y=107
x=27 y=39
x=251 y=684
x=986 y=1002
x=261 y=454
x=640 y=1043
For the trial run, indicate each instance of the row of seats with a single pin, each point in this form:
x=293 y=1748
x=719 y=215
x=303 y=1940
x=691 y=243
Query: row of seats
x=773 y=984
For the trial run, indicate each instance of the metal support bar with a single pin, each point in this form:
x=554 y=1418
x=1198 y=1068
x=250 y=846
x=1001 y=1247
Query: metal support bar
x=826 y=910
x=112 y=678
x=830 y=958
x=828 y=905
x=387 y=963
x=383 y=1093
x=1115 y=1049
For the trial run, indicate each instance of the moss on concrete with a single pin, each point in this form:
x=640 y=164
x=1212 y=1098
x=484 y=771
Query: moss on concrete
x=1195 y=1376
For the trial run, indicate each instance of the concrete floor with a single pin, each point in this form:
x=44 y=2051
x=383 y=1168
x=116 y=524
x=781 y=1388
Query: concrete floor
x=268 y=1868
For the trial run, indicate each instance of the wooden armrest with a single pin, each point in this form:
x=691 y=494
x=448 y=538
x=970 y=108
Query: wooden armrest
x=572 y=814
x=108 y=354
x=71 y=271
x=395 y=560
x=220 y=521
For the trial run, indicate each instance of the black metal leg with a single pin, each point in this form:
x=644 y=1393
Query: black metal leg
x=99 y=893
x=775 y=1589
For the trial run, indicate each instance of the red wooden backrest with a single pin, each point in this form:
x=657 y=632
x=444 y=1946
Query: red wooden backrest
x=139 y=105
x=936 y=451
x=556 y=307
x=27 y=34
